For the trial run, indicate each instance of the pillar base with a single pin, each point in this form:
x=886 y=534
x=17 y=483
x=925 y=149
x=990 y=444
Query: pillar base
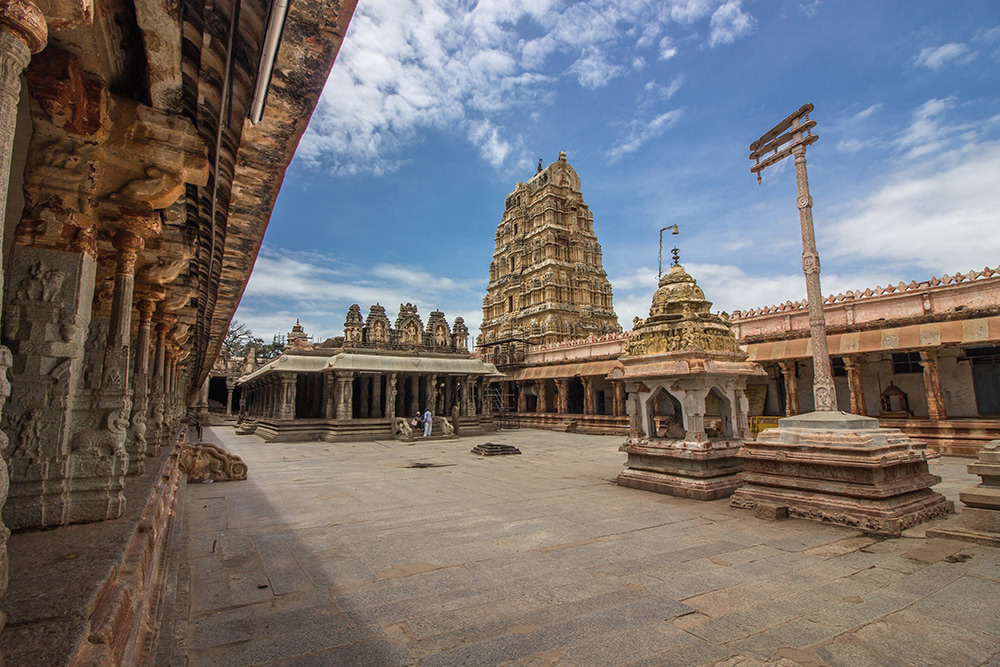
x=700 y=470
x=837 y=468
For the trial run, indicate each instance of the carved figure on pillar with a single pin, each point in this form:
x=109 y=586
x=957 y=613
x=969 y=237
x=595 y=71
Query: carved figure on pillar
x=788 y=371
x=853 y=367
x=932 y=383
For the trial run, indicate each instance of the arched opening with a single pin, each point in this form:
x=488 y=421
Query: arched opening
x=718 y=415
x=664 y=415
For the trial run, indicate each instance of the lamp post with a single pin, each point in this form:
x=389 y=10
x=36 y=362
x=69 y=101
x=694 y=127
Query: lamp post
x=797 y=129
x=659 y=262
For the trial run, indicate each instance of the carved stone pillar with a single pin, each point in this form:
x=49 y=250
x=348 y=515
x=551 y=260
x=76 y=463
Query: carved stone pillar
x=431 y=381
x=229 y=397
x=853 y=366
x=932 y=384
x=390 y=396
x=634 y=416
x=543 y=397
x=694 y=414
x=485 y=409
x=345 y=391
x=468 y=405
x=619 y=402
x=136 y=443
x=562 y=401
x=791 y=387
x=588 y=395
x=742 y=414
x=414 y=381
x=201 y=406
x=286 y=397
x=522 y=400
x=376 y=410
x=157 y=399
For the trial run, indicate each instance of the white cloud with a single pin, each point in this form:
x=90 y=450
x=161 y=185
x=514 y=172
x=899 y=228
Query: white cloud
x=729 y=22
x=940 y=215
x=865 y=113
x=411 y=65
x=594 y=71
x=667 y=49
x=319 y=288
x=810 y=9
x=641 y=131
x=936 y=58
x=925 y=132
x=851 y=146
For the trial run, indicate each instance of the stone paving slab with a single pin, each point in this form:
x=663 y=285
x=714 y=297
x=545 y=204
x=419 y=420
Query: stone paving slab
x=340 y=554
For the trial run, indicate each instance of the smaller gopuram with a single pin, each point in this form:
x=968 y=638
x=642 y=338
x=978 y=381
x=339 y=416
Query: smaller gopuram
x=369 y=383
x=688 y=411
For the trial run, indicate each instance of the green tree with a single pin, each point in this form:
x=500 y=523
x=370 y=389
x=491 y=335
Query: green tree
x=238 y=340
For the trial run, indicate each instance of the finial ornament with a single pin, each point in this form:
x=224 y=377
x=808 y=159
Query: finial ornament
x=675 y=251
x=539 y=165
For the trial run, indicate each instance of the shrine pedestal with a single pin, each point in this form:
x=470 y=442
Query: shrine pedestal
x=981 y=514
x=840 y=468
x=701 y=470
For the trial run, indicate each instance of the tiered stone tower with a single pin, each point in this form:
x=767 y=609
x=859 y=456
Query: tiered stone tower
x=547 y=282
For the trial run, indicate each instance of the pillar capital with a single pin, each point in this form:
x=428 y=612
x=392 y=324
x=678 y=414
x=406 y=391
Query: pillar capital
x=26 y=22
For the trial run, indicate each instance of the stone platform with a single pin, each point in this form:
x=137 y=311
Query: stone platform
x=89 y=594
x=842 y=469
x=338 y=554
x=699 y=470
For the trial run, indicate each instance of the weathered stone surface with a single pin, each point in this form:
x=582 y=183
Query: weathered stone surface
x=676 y=361
x=981 y=514
x=205 y=461
x=870 y=478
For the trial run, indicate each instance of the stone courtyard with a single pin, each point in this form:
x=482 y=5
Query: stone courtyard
x=346 y=554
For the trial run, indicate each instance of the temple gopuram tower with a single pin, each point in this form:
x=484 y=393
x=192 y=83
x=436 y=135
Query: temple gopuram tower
x=547 y=282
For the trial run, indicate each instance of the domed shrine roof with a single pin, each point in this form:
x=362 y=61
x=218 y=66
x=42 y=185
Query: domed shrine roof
x=680 y=319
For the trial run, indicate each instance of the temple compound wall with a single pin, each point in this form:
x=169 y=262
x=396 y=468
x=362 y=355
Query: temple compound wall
x=371 y=382
x=923 y=357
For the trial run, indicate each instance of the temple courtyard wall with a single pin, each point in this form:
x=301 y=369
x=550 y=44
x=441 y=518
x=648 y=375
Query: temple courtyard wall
x=392 y=554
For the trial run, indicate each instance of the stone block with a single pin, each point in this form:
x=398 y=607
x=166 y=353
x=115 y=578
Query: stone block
x=770 y=512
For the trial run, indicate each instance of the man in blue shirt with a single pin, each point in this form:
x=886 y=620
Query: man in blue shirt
x=427 y=419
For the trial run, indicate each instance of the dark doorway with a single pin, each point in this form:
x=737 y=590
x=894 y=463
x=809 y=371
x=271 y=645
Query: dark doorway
x=217 y=394
x=986 y=378
x=575 y=396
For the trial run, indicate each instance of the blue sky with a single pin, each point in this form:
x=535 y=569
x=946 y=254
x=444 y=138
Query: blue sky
x=436 y=108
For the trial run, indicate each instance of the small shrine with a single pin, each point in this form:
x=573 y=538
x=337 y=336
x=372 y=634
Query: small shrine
x=686 y=381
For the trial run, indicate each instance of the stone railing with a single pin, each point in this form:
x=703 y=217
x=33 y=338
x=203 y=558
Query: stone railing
x=879 y=291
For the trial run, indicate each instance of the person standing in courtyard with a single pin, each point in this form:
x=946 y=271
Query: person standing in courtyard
x=427 y=419
x=197 y=428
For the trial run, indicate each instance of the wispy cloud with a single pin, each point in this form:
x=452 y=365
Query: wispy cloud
x=411 y=65
x=640 y=131
x=865 y=113
x=953 y=53
x=940 y=217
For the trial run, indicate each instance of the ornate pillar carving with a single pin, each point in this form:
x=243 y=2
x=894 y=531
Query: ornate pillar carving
x=853 y=366
x=588 y=394
x=634 y=416
x=467 y=403
x=431 y=393
x=229 y=396
x=543 y=397
x=791 y=387
x=414 y=383
x=562 y=400
x=619 y=401
x=376 y=405
x=485 y=409
x=136 y=444
x=932 y=384
x=286 y=397
x=694 y=414
x=157 y=400
x=390 y=396
x=345 y=384
x=364 y=381
x=521 y=398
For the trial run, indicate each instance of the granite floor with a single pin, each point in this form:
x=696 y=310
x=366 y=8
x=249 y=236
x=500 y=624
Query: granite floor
x=343 y=554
